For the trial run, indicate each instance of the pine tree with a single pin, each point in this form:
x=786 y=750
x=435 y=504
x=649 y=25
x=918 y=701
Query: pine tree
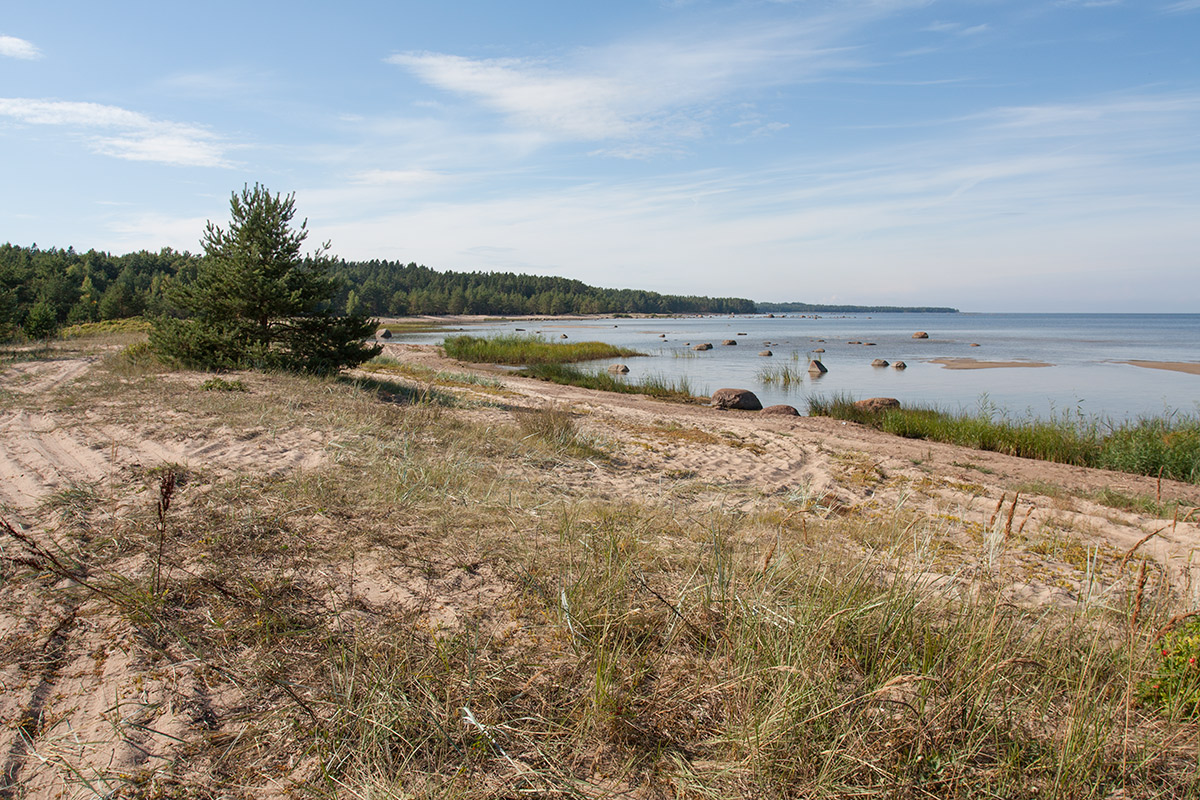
x=257 y=301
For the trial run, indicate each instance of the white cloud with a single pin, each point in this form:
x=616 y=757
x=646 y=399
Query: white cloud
x=13 y=47
x=579 y=107
x=397 y=177
x=1182 y=7
x=1071 y=190
x=653 y=94
x=956 y=28
x=138 y=137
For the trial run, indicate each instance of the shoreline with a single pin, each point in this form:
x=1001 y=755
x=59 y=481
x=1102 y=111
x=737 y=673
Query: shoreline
x=1187 y=367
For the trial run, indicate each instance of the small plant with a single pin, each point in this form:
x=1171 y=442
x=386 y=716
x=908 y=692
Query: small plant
x=1175 y=685
x=222 y=385
x=556 y=427
x=786 y=375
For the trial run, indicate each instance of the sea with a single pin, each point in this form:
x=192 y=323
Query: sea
x=1086 y=376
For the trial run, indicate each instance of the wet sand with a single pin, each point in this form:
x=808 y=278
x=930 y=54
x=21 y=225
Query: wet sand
x=974 y=363
x=1190 y=367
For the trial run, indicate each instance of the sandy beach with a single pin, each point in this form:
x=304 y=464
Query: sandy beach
x=75 y=436
x=1189 y=367
x=974 y=363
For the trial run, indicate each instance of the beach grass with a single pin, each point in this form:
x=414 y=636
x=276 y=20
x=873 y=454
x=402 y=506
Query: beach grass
x=1167 y=447
x=386 y=364
x=530 y=349
x=679 y=389
x=452 y=606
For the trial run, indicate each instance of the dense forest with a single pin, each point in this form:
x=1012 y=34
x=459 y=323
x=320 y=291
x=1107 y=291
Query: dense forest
x=41 y=290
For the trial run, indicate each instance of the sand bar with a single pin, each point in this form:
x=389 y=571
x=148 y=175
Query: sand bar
x=1190 y=367
x=974 y=363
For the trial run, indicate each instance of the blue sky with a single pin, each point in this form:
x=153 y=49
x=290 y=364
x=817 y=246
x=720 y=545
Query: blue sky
x=994 y=155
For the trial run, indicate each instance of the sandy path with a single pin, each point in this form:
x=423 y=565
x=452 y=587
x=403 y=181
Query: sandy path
x=43 y=451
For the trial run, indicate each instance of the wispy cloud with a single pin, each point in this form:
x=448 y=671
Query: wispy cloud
x=120 y=133
x=606 y=94
x=219 y=83
x=1067 y=189
x=1182 y=7
x=13 y=47
x=956 y=28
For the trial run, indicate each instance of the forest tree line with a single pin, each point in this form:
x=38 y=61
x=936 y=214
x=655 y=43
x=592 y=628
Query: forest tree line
x=42 y=290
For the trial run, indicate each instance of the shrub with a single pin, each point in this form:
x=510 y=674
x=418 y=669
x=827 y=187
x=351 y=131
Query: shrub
x=1175 y=685
x=257 y=302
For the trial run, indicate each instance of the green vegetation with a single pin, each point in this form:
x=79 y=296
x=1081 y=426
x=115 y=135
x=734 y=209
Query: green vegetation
x=517 y=350
x=1168 y=447
x=106 y=327
x=652 y=385
x=784 y=374
x=1175 y=685
x=390 y=365
x=393 y=288
x=42 y=290
x=218 y=384
x=257 y=302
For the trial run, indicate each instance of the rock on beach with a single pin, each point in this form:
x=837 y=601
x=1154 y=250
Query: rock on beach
x=877 y=404
x=740 y=399
x=782 y=410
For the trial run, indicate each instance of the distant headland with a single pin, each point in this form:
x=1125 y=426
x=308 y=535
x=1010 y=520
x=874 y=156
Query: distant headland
x=817 y=308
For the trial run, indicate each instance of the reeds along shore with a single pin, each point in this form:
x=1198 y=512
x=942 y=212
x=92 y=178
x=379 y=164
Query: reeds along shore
x=1166 y=447
x=528 y=350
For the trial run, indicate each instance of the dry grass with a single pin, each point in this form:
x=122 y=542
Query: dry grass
x=427 y=613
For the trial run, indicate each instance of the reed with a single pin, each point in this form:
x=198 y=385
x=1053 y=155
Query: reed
x=527 y=350
x=1168 y=446
x=783 y=375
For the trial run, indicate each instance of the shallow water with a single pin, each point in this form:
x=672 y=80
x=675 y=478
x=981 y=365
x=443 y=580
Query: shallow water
x=1083 y=349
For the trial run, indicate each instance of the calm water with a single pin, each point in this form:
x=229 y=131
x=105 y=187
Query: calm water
x=1083 y=348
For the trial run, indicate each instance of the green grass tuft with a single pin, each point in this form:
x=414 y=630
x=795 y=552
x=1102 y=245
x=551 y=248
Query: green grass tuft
x=528 y=350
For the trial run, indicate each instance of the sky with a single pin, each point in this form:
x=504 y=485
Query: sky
x=991 y=155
